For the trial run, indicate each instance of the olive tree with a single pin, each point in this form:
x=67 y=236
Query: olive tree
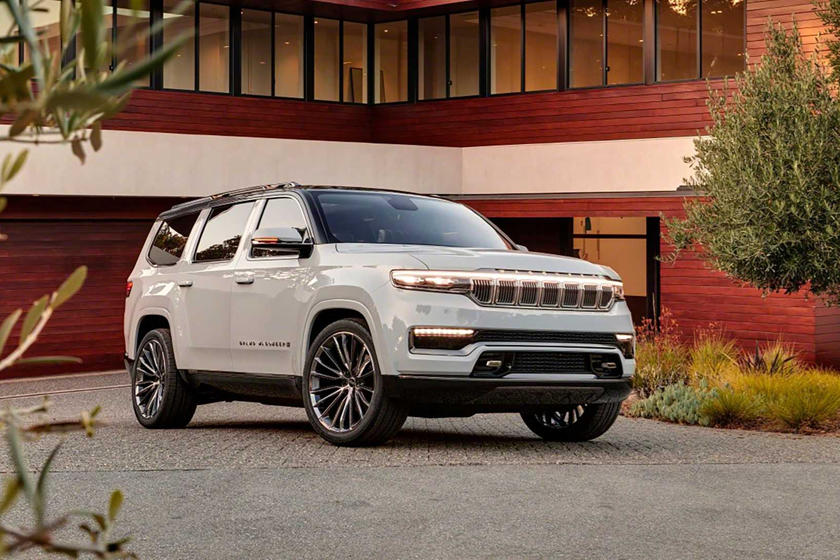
x=768 y=174
x=49 y=96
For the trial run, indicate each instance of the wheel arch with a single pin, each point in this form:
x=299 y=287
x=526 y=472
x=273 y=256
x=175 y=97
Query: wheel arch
x=152 y=318
x=327 y=312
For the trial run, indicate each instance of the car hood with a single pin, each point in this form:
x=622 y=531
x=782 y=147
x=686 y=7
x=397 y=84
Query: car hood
x=454 y=258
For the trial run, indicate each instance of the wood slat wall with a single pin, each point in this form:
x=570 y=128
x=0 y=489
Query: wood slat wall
x=697 y=296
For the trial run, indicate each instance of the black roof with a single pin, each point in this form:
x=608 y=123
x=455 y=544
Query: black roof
x=256 y=192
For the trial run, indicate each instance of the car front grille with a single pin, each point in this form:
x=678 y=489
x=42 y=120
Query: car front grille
x=548 y=362
x=584 y=293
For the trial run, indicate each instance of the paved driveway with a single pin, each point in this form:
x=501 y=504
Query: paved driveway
x=252 y=481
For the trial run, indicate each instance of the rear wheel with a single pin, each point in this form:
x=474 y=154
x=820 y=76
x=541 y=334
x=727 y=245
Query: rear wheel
x=581 y=422
x=160 y=397
x=343 y=391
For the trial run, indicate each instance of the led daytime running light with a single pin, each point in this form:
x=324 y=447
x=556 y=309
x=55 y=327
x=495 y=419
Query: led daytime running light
x=443 y=332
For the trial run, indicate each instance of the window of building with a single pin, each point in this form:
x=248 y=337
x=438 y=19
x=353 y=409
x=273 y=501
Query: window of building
x=46 y=21
x=288 y=55
x=723 y=37
x=391 y=61
x=256 y=52
x=611 y=30
x=506 y=49
x=170 y=240
x=327 y=59
x=676 y=40
x=464 y=59
x=132 y=28
x=222 y=232
x=213 y=47
x=540 y=46
x=179 y=71
x=431 y=58
x=354 y=65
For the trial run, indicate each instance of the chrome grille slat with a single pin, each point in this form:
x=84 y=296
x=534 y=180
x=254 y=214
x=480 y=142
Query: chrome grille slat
x=539 y=290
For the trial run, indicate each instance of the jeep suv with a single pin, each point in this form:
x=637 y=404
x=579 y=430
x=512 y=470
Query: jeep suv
x=367 y=306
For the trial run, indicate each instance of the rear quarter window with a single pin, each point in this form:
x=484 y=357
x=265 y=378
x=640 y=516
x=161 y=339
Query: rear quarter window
x=170 y=240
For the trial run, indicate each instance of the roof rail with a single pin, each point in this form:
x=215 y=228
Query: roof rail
x=250 y=190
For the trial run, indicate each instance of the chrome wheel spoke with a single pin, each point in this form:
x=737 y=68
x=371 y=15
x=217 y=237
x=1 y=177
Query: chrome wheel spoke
x=563 y=418
x=341 y=381
x=149 y=376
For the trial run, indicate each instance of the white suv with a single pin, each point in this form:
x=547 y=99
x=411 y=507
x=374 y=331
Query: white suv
x=367 y=306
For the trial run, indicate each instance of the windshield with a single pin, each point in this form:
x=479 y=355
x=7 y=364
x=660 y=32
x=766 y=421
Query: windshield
x=399 y=219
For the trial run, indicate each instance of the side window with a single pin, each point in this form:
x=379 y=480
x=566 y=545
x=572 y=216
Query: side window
x=170 y=240
x=222 y=232
x=281 y=212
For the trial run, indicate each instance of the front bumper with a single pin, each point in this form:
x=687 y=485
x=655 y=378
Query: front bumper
x=435 y=396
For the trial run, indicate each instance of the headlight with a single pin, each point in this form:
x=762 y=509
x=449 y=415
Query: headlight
x=618 y=291
x=431 y=281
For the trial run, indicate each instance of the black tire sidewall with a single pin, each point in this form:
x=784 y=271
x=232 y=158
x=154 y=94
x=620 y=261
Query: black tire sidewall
x=357 y=433
x=594 y=422
x=171 y=378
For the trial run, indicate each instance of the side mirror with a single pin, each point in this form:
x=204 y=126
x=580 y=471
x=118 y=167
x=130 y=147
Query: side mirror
x=267 y=242
x=521 y=247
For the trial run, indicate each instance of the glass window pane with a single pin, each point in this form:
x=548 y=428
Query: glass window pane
x=256 y=52
x=354 y=65
x=170 y=240
x=676 y=39
x=540 y=46
x=586 y=47
x=213 y=47
x=391 y=61
x=625 y=42
x=723 y=37
x=132 y=34
x=431 y=54
x=179 y=72
x=327 y=62
x=463 y=54
x=288 y=55
x=506 y=49
x=222 y=232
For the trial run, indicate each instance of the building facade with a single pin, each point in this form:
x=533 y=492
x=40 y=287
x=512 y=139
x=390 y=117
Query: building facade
x=565 y=121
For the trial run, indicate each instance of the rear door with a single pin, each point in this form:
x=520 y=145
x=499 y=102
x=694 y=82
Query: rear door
x=205 y=285
x=268 y=303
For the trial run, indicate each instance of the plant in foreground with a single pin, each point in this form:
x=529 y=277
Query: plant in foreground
x=678 y=403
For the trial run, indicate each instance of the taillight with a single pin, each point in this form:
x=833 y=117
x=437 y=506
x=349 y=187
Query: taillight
x=128 y=285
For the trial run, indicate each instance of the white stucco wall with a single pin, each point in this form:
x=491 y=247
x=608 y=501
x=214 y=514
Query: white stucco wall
x=157 y=164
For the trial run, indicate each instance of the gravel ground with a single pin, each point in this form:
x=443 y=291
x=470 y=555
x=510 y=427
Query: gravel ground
x=252 y=481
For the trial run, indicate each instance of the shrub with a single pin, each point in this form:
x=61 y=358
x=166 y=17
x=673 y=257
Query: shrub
x=804 y=400
x=659 y=365
x=774 y=359
x=711 y=357
x=678 y=403
x=728 y=406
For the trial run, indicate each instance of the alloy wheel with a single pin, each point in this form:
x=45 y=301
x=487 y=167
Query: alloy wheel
x=149 y=373
x=342 y=382
x=562 y=418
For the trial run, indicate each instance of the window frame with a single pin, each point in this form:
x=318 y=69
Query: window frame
x=411 y=62
x=184 y=252
x=309 y=68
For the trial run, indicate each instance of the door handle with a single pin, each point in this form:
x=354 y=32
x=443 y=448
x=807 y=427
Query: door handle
x=243 y=277
x=185 y=283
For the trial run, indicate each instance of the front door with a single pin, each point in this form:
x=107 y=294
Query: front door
x=267 y=303
x=205 y=285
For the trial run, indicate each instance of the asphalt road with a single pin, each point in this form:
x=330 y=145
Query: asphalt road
x=250 y=481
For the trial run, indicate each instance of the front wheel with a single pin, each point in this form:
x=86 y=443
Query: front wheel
x=581 y=422
x=343 y=391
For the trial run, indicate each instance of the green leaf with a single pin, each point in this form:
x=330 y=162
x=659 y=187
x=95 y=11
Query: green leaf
x=92 y=11
x=21 y=468
x=49 y=360
x=23 y=121
x=6 y=327
x=115 y=504
x=2 y=204
x=15 y=167
x=96 y=136
x=10 y=494
x=33 y=316
x=41 y=486
x=81 y=99
x=78 y=150
x=69 y=287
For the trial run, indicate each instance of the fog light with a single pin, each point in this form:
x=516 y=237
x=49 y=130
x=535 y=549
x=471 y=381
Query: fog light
x=441 y=338
x=627 y=344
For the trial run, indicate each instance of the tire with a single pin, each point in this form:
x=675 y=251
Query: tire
x=160 y=398
x=575 y=423
x=345 y=398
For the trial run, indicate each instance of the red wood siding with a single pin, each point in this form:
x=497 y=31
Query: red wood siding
x=759 y=12
x=696 y=295
x=828 y=334
x=41 y=250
